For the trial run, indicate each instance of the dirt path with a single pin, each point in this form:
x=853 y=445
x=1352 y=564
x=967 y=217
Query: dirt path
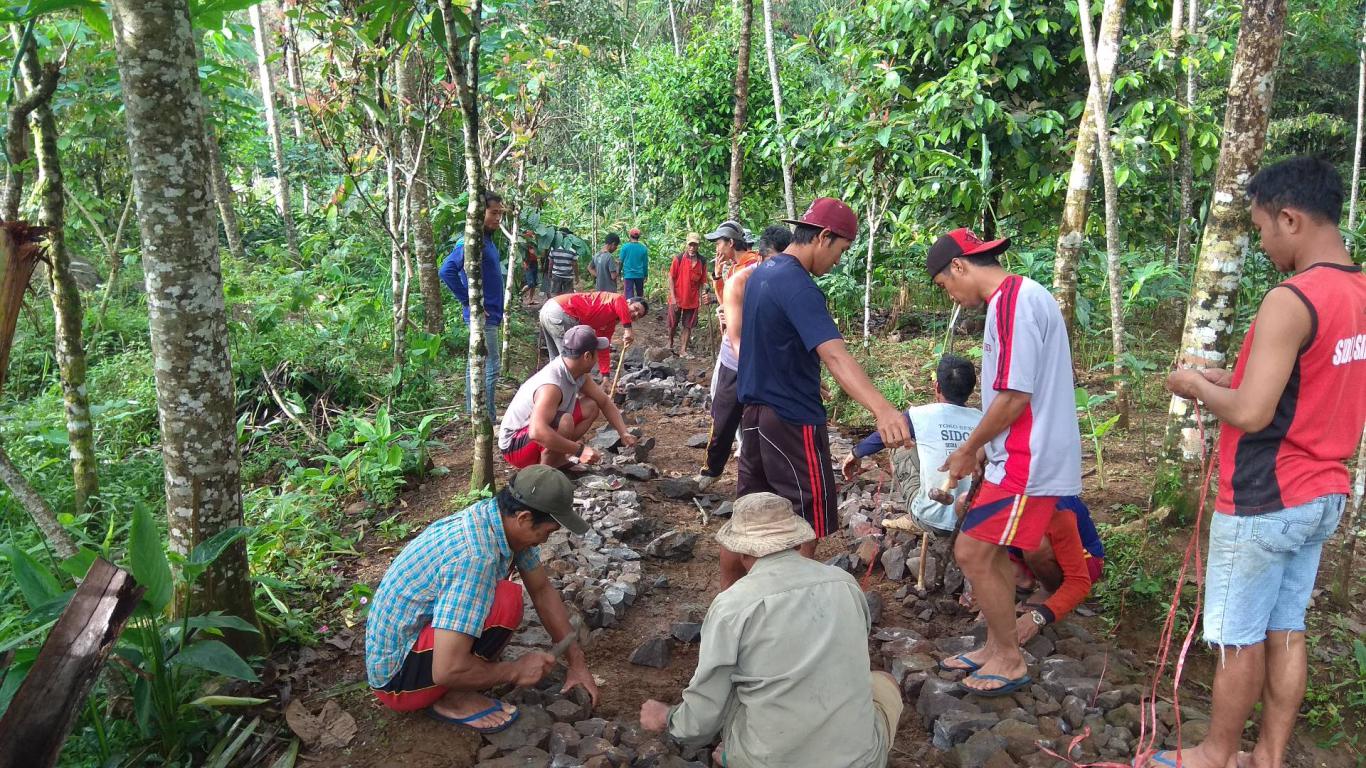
x=385 y=739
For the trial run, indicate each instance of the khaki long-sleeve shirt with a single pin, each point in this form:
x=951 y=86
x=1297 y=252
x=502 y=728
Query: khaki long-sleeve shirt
x=783 y=671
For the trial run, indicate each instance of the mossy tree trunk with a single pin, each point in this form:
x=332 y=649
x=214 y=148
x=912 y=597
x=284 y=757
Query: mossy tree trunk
x=741 y=113
x=1210 y=315
x=224 y=196
x=168 y=161
x=1185 y=164
x=413 y=93
x=277 y=147
x=784 y=154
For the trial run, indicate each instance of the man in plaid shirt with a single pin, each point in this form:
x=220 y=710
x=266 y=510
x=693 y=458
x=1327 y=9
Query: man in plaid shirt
x=444 y=610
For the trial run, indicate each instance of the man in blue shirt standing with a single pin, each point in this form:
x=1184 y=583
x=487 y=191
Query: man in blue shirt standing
x=635 y=264
x=453 y=275
x=788 y=333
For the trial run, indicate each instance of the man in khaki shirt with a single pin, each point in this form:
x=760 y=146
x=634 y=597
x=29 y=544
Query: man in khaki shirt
x=783 y=672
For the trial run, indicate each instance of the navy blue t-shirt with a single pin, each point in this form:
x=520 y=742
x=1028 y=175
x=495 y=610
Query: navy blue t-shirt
x=785 y=319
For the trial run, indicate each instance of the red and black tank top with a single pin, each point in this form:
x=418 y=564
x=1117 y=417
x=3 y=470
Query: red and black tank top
x=1301 y=455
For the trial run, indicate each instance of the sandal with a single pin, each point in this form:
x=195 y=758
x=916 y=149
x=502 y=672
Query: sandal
x=968 y=664
x=1007 y=686
x=467 y=722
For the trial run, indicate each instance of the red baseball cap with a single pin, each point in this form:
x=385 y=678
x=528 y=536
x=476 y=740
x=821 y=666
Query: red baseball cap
x=960 y=242
x=829 y=213
x=633 y=233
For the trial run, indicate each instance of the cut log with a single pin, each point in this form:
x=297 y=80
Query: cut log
x=45 y=707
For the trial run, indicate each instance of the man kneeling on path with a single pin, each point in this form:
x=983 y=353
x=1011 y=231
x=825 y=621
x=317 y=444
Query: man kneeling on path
x=555 y=408
x=444 y=610
x=937 y=430
x=783 y=671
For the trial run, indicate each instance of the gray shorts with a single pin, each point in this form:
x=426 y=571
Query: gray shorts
x=556 y=323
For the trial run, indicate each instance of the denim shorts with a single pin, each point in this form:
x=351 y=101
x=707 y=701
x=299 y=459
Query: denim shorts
x=1261 y=570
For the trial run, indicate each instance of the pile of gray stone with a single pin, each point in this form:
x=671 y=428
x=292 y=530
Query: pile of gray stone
x=654 y=379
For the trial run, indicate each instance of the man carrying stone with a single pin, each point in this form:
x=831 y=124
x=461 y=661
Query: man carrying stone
x=1030 y=435
x=725 y=402
x=783 y=674
x=452 y=273
x=788 y=333
x=937 y=430
x=1291 y=414
x=599 y=310
x=604 y=268
x=635 y=265
x=445 y=609
x=554 y=409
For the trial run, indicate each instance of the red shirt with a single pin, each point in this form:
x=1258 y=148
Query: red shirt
x=687 y=275
x=1301 y=455
x=601 y=311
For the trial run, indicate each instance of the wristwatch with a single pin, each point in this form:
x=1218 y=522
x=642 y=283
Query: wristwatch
x=1038 y=618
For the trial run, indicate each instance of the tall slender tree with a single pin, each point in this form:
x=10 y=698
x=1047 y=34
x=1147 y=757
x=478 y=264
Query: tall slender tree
x=1185 y=163
x=168 y=161
x=225 y=196
x=1100 y=86
x=1361 y=127
x=422 y=240
x=1209 y=326
x=784 y=154
x=464 y=68
x=741 y=114
x=67 y=312
x=277 y=146
x=1072 y=228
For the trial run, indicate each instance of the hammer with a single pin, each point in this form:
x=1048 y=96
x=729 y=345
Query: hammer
x=577 y=632
x=943 y=495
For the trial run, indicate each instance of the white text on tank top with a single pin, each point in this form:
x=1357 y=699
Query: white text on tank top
x=939 y=429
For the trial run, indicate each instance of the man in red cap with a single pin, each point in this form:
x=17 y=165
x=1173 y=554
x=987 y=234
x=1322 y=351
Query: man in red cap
x=1029 y=434
x=788 y=333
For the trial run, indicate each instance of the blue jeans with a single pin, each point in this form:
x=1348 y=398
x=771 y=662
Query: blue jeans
x=493 y=368
x=1262 y=568
x=635 y=287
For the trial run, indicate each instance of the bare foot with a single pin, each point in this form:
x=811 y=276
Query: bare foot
x=1009 y=669
x=463 y=704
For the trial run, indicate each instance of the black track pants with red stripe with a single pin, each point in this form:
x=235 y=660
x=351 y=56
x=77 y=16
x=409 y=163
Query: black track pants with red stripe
x=791 y=460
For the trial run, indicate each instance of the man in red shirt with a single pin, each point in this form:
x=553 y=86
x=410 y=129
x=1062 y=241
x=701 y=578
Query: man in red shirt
x=599 y=310
x=1292 y=413
x=687 y=276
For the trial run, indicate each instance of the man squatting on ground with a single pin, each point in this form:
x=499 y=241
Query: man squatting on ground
x=452 y=273
x=555 y=408
x=596 y=309
x=725 y=402
x=445 y=609
x=785 y=448
x=783 y=671
x=1291 y=414
x=1030 y=435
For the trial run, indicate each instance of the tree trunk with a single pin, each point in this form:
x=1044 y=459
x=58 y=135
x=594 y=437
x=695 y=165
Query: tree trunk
x=398 y=280
x=673 y=27
x=420 y=236
x=1361 y=120
x=277 y=146
x=187 y=322
x=1210 y=315
x=294 y=76
x=1185 y=162
x=784 y=156
x=513 y=248
x=1114 y=271
x=18 y=257
x=65 y=293
x=16 y=132
x=465 y=71
x=1072 y=229
x=1356 y=531
x=226 y=198
x=737 y=130
x=875 y=208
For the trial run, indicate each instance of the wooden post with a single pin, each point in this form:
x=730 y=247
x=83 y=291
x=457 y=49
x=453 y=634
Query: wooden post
x=39 y=718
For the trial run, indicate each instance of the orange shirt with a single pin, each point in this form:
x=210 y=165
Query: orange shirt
x=687 y=275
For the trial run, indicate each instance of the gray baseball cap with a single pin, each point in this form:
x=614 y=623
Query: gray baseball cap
x=581 y=339
x=729 y=229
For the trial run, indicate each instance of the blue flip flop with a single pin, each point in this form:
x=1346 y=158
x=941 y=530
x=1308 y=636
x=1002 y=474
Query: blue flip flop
x=968 y=664
x=1008 y=686
x=1157 y=757
x=465 y=722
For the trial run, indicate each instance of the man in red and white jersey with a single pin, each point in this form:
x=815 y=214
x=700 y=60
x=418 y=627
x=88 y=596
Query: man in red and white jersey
x=1291 y=413
x=1028 y=431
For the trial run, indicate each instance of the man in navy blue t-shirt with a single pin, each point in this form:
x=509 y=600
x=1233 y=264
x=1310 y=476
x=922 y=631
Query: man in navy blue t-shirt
x=788 y=333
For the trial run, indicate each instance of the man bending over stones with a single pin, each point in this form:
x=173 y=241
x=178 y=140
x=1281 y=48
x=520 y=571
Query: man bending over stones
x=444 y=610
x=1291 y=414
x=598 y=310
x=1030 y=436
x=1067 y=562
x=937 y=430
x=783 y=673
x=554 y=409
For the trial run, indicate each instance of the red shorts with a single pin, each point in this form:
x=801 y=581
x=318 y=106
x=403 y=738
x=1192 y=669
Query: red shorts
x=522 y=452
x=1008 y=519
x=413 y=688
x=1095 y=566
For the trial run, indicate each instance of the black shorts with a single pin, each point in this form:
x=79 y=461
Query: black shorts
x=559 y=286
x=791 y=460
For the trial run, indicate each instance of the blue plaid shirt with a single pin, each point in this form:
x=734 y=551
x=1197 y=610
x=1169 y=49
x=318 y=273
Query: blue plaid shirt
x=446 y=578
